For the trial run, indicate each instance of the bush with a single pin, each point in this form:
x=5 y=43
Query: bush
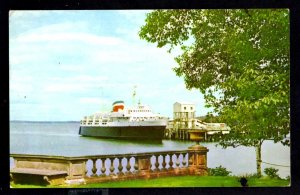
x=272 y=172
x=249 y=176
x=243 y=182
x=218 y=171
x=288 y=178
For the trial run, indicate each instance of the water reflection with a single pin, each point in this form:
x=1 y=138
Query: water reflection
x=125 y=141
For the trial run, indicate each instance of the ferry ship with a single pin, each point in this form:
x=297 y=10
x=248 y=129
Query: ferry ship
x=138 y=122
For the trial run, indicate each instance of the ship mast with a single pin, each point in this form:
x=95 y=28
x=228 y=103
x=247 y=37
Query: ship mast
x=133 y=95
x=101 y=106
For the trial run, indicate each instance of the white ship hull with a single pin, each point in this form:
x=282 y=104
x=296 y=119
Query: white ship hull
x=125 y=123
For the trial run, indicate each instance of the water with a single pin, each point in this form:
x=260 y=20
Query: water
x=62 y=139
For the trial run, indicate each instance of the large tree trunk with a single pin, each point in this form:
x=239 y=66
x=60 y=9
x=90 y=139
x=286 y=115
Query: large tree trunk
x=258 y=158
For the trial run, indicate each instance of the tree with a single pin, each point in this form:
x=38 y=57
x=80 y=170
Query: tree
x=239 y=60
x=210 y=118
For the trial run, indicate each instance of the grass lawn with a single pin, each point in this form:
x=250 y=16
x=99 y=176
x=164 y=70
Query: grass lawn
x=178 y=181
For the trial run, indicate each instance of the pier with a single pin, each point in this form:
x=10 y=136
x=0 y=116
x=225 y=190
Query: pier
x=184 y=121
x=212 y=131
x=56 y=170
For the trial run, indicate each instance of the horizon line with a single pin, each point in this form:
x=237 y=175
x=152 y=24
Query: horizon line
x=43 y=121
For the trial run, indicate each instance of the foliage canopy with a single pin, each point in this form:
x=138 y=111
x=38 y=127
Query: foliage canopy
x=239 y=60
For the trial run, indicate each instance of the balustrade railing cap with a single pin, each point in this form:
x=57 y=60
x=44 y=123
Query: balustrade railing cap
x=197 y=147
x=98 y=156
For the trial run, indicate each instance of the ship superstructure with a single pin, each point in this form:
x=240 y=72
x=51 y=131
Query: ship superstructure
x=137 y=122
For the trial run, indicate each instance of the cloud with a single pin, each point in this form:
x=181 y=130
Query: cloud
x=134 y=16
x=21 y=88
x=73 y=84
x=20 y=84
x=63 y=37
x=61 y=87
x=69 y=66
x=17 y=15
x=91 y=100
x=72 y=68
x=56 y=40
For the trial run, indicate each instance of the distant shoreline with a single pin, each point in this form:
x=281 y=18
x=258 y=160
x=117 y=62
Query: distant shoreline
x=21 y=121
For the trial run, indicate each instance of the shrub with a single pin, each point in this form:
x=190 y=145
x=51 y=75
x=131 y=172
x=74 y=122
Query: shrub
x=243 y=182
x=288 y=178
x=249 y=176
x=271 y=172
x=218 y=171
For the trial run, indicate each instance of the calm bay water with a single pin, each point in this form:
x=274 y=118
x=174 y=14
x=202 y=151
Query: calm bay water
x=61 y=138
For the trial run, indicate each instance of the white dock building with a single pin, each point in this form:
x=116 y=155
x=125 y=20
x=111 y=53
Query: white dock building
x=184 y=120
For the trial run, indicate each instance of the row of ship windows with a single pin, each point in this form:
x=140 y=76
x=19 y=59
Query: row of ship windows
x=96 y=123
x=91 y=120
x=139 y=111
x=142 y=117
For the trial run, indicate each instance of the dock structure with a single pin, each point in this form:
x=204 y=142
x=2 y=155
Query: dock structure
x=184 y=121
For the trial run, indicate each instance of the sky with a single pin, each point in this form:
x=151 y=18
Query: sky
x=64 y=65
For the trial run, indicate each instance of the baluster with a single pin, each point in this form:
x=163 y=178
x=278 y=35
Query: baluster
x=103 y=169
x=189 y=162
x=112 y=168
x=128 y=166
x=164 y=162
x=86 y=168
x=151 y=164
x=94 y=169
x=184 y=160
x=136 y=166
x=171 y=162
x=191 y=159
x=156 y=162
x=120 y=167
x=177 y=160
